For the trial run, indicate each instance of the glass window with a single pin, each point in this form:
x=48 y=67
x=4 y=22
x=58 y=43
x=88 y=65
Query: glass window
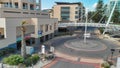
x=16 y=5
x=25 y=6
x=7 y=4
x=31 y=7
x=46 y=27
x=76 y=17
x=76 y=12
x=65 y=8
x=76 y=7
x=50 y=27
x=41 y=27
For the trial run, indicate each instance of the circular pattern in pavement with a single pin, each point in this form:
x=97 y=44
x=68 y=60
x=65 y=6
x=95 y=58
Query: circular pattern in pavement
x=89 y=45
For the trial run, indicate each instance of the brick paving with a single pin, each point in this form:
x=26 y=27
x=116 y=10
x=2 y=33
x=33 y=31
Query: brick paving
x=65 y=63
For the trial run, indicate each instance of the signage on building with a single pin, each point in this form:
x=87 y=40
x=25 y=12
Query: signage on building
x=39 y=33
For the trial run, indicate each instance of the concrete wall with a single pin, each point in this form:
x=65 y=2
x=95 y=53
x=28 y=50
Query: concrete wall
x=57 y=12
x=13 y=25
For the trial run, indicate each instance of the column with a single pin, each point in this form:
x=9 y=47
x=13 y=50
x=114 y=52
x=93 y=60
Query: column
x=52 y=35
x=13 y=6
x=20 y=4
x=44 y=38
x=31 y=41
x=49 y=37
x=37 y=41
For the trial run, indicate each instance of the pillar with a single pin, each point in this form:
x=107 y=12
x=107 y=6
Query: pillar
x=44 y=38
x=37 y=41
x=52 y=35
x=31 y=41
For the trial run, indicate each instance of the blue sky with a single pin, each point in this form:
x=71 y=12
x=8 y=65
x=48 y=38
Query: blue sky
x=90 y=4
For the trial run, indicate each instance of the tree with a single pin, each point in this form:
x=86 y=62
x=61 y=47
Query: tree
x=99 y=11
x=116 y=17
x=23 y=47
x=90 y=15
x=99 y=5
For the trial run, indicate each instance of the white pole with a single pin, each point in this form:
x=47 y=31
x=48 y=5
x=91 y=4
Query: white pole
x=109 y=19
x=86 y=25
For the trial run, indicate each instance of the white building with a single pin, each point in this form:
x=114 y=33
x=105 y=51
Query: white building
x=39 y=26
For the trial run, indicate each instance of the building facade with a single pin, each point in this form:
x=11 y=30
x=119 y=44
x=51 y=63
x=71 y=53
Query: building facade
x=39 y=26
x=68 y=12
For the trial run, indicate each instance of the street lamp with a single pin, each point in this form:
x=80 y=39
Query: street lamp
x=23 y=47
x=112 y=51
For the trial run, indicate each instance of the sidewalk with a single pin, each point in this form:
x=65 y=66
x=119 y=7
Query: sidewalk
x=40 y=64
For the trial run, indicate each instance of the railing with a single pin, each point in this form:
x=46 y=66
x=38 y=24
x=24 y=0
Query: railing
x=88 y=24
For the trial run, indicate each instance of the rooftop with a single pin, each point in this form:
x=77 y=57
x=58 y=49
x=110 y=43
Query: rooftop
x=68 y=3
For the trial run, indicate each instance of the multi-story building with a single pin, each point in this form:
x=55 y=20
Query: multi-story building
x=68 y=12
x=39 y=27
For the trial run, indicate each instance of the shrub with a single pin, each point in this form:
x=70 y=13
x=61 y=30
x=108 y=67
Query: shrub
x=105 y=65
x=32 y=60
x=28 y=62
x=101 y=30
x=13 y=60
x=35 y=58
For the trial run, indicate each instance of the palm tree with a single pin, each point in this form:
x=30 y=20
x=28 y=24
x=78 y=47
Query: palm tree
x=23 y=47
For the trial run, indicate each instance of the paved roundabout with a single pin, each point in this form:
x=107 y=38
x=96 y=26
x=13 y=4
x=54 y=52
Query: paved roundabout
x=90 y=45
x=74 y=46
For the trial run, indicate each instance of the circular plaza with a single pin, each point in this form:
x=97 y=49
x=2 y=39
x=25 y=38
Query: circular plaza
x=89 y=45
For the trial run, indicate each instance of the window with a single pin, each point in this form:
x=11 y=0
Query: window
x=16 y=5
x=41 y=28
x=7 y=4
x=76 y=7
x=55 y=25
x=76 y=12
x=37 y=1
x=31 y=7
x=46 y=27
x=37 y=7
x=31 y=0
x=76 y=17
x=25 y=6
x=65 y=8
x=50 y=27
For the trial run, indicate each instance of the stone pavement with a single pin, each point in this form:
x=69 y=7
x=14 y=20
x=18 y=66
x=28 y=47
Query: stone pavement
x=83 y=60
x=41 y=64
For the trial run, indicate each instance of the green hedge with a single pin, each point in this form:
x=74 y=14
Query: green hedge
x=32 y=60
x=13 y=60
x=17 y=59
x=105 y=65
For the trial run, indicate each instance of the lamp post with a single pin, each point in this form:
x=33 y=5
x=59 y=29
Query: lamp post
x=23 y=47
x=86 y=26
x=112 y=52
